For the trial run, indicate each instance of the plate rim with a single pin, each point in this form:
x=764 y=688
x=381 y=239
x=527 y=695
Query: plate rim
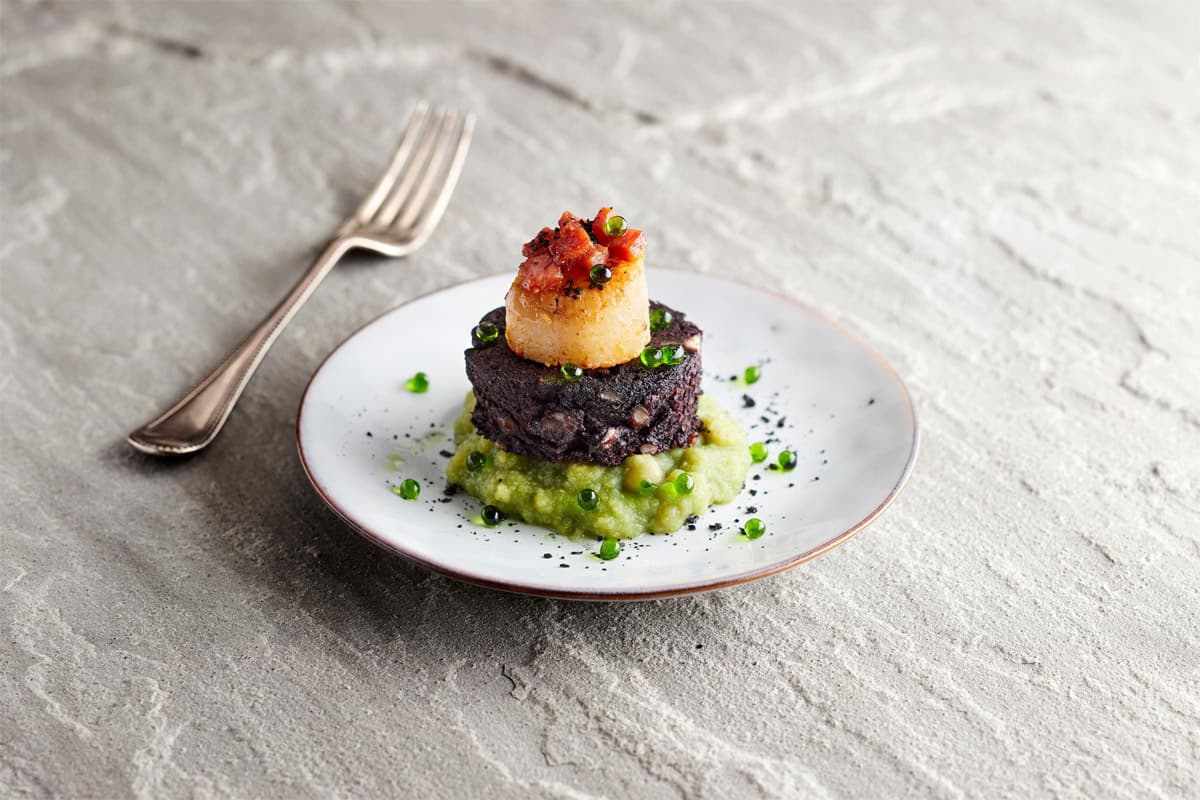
x=694 y=587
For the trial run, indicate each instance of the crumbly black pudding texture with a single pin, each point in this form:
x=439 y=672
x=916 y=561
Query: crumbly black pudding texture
x=601 y=418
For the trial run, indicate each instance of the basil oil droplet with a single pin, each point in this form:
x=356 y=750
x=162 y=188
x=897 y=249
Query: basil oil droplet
x=486 y=332
x=476 y=461
x=610 y=549
x=651 y=357
x=600 y=275
x=614 y=226
x=492 y=516
x=754 y=528
x=660 y=318
x=647 y=488
x=673 y=355
x=571 y=372
x=588 y=499
x=408 y=489
x=684 y=483
x=758 y=452
x=752 y=374
x=787 y=460
x=418 y=384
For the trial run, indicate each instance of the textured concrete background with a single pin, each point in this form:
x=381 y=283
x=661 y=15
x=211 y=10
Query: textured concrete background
x=1004 y=199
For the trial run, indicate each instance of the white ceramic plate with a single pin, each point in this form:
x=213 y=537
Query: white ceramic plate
x=823 y=394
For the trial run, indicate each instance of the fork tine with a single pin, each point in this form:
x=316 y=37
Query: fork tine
x=412 y=171
x=379 y=192
x=433 y=169
x=432 y=214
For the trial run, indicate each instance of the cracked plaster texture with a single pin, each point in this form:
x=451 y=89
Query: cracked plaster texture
x=1004 y=198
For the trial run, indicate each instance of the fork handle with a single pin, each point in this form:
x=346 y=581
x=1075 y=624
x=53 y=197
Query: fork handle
x=195 y=419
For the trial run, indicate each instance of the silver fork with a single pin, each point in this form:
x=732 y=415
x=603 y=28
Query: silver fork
x=394 y=220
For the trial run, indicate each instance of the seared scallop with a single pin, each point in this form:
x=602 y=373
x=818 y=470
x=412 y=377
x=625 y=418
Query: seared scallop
x=580 y=296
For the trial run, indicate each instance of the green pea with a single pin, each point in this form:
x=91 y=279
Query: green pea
x=614 y=226
x=408 y=489
x=418 y=384
x=651 y=357
x=610 y=549
x=600 y=275
x=492 y=516
x=787 y=460
x=476 y=461
x=588 y=499
x=486 y=332
x=754 y=528
x=752 y=374
x=673 y=354
x=660 y=318
x=684 y=483
x=571 y=372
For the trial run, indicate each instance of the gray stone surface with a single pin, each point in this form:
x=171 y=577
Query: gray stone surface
x=1003 y=197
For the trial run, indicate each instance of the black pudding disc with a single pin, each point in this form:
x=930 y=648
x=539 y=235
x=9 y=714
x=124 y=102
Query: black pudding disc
x=601 y=418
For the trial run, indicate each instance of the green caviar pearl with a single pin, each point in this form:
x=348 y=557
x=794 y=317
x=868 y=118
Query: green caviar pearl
x=476 y=461
x=787 y=460
x=647 y=488
x=588 y=499
x=651 y=357
x=486 y=332
x=571 y=372
x=600 y=275
x=758 y=452
x=660 y=318
x=754 y=528
x=610 y=549
x=673 y=354
x=614 y=226
x=408 y=489
x=418 y=384
x=752 y=374
x=492 y=516
x=684 y=483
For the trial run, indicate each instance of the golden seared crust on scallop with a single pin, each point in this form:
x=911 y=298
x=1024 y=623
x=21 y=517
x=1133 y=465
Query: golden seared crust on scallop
x=580 y=295
x=597 y=327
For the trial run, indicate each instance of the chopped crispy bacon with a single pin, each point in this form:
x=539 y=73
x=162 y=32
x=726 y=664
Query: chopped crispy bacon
x=539 y=273
x=559 y=259
x=598 y=225
x=574 y=251
x=626 y=247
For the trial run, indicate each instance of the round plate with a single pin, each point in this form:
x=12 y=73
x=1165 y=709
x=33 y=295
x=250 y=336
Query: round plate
x=822 y=393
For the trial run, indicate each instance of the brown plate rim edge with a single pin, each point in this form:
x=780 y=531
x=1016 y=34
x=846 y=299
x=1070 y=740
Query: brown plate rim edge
x=673 y=591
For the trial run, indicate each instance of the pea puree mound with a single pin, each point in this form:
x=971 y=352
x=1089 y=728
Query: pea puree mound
x=544 y=493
